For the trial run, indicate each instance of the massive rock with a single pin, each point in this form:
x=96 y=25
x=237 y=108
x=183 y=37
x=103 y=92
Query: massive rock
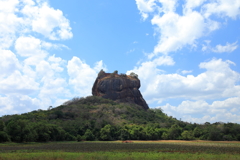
x=121 y=88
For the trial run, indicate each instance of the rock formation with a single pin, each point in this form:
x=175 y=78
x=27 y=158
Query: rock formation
x=121 y=88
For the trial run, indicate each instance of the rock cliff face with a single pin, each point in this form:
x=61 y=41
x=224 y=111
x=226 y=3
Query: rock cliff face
x=121 y=88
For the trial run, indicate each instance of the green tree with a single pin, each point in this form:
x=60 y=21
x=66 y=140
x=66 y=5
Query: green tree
x=165 y=135
x=4 y=137
x=79 y=138
x=2 y=126
x=89 y=135
x=21 y=131
x=187 y=135
x=197 y=132
x=215 y=134
x=105 y=133
x=174 y=132
x=136 y=132
x=124 y=134
x=160 y=131
x=151 y=134
x=44 y=132
x=70 y=137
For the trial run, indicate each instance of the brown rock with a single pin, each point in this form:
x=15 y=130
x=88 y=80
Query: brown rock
x=121 y=88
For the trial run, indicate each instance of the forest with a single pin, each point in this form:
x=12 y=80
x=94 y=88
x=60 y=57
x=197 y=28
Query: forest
x=95 y=118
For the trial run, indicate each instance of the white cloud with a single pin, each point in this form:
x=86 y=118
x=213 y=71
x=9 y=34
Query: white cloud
x=8 y=63
x=200 y=111
x=229 y=47
x=27 y=69
x=28 y=46
x=218 y=81
x=168 y=5
x=180 y=26
x=82 y=76
x=222 y=8
x=11 y=104
x=9 y=22
x=27 y=16
x=145 y=6
x=18 y=83
x=47 y=21
x=186 y=71
x=190 y=4
x=177 y=31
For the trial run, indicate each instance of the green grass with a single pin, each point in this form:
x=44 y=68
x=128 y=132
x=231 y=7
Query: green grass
x=119 y=151
x=113 y=155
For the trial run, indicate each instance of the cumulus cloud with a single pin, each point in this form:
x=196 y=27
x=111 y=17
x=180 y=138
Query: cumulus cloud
x=82 y=76
x=178 y=27
x=8 y=63
x=145 y=6
x=176 y=30
x=200 y=111
x=217 y=81
x=47 y=21
x=222 y=8
x=30 y=77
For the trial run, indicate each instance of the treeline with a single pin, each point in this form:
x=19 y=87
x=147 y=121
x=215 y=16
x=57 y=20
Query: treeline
x=27 y=131
x=95 y=118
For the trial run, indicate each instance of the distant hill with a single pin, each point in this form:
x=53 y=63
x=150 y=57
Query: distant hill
x=96 y=118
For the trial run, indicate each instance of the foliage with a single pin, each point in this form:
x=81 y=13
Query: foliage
x=96 y=118
x=89 y=135
x=4 y=137
x=133 y=75
x=79 y=138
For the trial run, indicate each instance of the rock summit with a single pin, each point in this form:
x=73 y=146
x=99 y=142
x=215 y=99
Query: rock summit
x=120 y=88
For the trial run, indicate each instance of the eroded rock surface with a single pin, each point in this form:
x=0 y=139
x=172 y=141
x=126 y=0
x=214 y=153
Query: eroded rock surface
x=121 y=88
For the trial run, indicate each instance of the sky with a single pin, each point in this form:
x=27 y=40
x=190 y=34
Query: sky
x=186 y=53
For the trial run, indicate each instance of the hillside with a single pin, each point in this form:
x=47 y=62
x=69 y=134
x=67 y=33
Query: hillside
x=96 y=118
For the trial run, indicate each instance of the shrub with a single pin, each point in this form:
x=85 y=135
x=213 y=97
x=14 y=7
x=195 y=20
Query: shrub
x=134 y=75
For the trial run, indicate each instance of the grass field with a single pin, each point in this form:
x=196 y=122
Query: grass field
x=120 y=151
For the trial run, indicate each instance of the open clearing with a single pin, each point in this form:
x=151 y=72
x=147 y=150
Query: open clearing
x=118 y=150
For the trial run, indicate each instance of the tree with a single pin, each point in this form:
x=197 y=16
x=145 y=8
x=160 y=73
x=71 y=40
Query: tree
x=165 y=136
x=105 y=133
x=21 y=131
x=43 y=131
x=2 y=126
x=215 y=134
x=4 y=137
x=124 y=134
x=187 y=135
x=70 y=137
x=197 y=132
x=174 y=132
x=89 y=135
x=79 y=138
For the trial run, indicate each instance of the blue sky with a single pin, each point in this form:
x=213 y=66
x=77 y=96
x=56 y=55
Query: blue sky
x=185 y=52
